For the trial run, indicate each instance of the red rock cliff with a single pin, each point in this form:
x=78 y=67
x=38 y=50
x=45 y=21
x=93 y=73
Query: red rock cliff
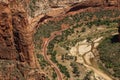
x=16 y=41
x=7 y=46
x=23 y=37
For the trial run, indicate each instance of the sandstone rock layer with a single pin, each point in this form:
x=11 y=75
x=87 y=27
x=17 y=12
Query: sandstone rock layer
x=16 y=42
x=7 y=46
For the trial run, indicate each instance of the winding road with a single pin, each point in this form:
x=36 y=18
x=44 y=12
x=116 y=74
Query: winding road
x=45 y=44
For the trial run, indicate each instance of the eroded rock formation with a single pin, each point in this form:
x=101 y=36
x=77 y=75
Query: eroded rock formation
x=7 y=46
x=23 y=37
x=16 y=42
x=44 y=6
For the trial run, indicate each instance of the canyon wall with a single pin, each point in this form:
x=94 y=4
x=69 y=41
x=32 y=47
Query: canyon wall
x=7 y=46
x=16 y=36
x=23 y=37
x=45 y=6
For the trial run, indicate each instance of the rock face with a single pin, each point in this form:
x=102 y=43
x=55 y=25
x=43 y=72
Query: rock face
x=16 y=41
x=45 y=6
x=16 y=44
x=23 y=37
x=7 y=46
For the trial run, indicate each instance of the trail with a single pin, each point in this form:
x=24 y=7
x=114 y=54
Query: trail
x=46 y=43
x=93 y=68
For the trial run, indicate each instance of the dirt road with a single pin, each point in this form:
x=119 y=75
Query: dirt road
x=94 y=68
x=46 y=43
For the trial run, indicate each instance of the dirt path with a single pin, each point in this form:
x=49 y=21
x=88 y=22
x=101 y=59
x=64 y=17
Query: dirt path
x=46 y=43
x=85 y=51
x=98 y=71
x=92 y=67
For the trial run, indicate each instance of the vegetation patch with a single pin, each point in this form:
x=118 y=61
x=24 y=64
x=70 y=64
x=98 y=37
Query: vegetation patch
x=42 y=62
x=109 y=50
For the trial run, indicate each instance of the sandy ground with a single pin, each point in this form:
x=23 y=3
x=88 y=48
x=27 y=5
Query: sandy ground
x=97 y=40
x=83 y=50
x=88 y=56
x=73 y=51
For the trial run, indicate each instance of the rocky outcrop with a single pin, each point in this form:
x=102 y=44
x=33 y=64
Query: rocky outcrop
x=16 y=42
x=94 y=3
x=23 y=37
x=45 y=6
x=7 y=46
x=37 y=7
x=113 y=2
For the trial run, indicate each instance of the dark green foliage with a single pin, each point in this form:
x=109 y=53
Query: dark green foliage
x=46 y=29
x=87 y=77
x=75 y=69
x=54 y=75
x=110 y=55
x=68 y=57
x=47 y=78
x=64 y=70
x=83 y=29
x=34 y=1
x=32 y=7
x=53 y=56
x=42 y=62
